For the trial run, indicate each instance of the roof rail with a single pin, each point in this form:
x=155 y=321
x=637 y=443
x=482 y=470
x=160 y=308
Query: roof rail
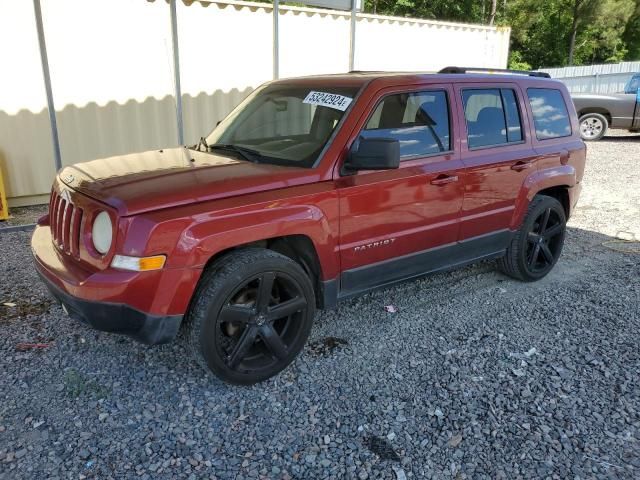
x=491 y=70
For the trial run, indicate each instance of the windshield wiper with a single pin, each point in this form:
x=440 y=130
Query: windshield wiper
x=203 y=142
x=248 y=154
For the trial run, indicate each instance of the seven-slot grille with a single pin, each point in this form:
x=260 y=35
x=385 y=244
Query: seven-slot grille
x=65 y=219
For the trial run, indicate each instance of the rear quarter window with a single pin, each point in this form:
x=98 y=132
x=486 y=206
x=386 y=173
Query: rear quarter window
x=550 y=114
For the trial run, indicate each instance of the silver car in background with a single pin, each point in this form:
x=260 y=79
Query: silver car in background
x=598 y=112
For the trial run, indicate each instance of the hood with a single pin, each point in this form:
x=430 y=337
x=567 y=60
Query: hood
x=152 y=180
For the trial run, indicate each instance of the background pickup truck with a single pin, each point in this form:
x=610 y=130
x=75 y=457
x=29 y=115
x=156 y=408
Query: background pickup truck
x=598 y=112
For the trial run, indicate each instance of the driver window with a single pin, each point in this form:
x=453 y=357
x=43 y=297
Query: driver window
x=419 y=121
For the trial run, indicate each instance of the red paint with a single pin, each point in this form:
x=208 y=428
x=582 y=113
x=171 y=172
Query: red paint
x=190 y=205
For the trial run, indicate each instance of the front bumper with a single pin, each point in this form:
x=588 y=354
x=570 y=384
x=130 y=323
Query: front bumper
x=118 y=318
x=132 y=303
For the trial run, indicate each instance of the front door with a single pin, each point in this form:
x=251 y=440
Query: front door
x=395 y=223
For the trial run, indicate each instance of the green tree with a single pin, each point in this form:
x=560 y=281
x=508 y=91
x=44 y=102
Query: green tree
x=544 y=33
x=516 y=62
x=539 y=31
x=582 y=12
x=631 y=35
x=560 y=32
x=602 y=39
x=462 y=10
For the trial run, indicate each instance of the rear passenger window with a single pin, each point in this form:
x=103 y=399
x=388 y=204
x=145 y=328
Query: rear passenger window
x=492 y=117
x=419 y=121
x=550 y=115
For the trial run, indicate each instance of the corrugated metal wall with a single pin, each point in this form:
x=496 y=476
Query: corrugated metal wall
x=606 y=78
x=112 y=72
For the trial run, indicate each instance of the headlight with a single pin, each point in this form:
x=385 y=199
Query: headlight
x=102 y=232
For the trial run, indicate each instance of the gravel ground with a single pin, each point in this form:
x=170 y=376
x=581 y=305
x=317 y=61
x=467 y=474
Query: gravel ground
x=24 y=215
x=474 y=376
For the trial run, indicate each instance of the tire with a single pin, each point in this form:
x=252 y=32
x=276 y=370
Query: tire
x=593 y=126
x=537 y=245
x=251 y=316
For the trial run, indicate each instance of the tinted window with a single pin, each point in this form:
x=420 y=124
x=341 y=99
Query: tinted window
x=420 y=121
x=550 y=115
x=492 y=117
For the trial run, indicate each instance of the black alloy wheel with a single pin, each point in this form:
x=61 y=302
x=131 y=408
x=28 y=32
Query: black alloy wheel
x=252 y=317
x=259 y=322
x=544 y=241
x=536 y=246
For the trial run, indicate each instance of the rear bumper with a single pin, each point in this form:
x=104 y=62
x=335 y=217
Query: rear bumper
x=147 y=306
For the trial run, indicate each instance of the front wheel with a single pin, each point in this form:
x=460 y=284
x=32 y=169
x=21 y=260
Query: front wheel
x=252 y=315
x=536 y=246
x=593 y=126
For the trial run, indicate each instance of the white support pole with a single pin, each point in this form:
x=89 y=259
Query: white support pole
x=352 y=39
x=276 y=40
x=57 y=158
x=176 y=71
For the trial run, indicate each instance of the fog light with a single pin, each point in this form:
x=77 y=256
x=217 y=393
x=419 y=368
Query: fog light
x=138 y=264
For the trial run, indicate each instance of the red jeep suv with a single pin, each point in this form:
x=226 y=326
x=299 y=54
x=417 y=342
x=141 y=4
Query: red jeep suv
x=311 y=191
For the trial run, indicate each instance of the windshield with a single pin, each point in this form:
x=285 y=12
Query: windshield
x=283 y=124
x=633 y=85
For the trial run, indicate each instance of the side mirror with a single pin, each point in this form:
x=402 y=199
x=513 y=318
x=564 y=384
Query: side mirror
x=373 y=154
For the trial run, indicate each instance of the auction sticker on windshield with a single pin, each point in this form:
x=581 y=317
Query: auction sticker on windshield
x=331 y=100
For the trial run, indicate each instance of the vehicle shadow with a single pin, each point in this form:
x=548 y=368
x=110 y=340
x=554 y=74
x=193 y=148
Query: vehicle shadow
x=581 y=249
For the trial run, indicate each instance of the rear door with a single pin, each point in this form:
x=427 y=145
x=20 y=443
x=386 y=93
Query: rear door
x=498 y=155
x=392 y=222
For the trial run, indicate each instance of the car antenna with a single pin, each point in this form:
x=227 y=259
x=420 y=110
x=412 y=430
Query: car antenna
x=185 y=150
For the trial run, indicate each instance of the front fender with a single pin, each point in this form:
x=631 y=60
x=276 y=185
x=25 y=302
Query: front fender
x=560 y=176
x=204 y=240
x=192 y=235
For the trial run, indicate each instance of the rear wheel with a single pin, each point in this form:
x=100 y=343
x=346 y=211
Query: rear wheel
x=536 y=247
x=593 y=126
x=252 y=316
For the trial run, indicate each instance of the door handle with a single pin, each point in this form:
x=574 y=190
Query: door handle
x=444 y=179
x=521 y=165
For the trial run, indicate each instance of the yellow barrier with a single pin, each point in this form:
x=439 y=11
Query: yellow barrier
x=4 y=208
